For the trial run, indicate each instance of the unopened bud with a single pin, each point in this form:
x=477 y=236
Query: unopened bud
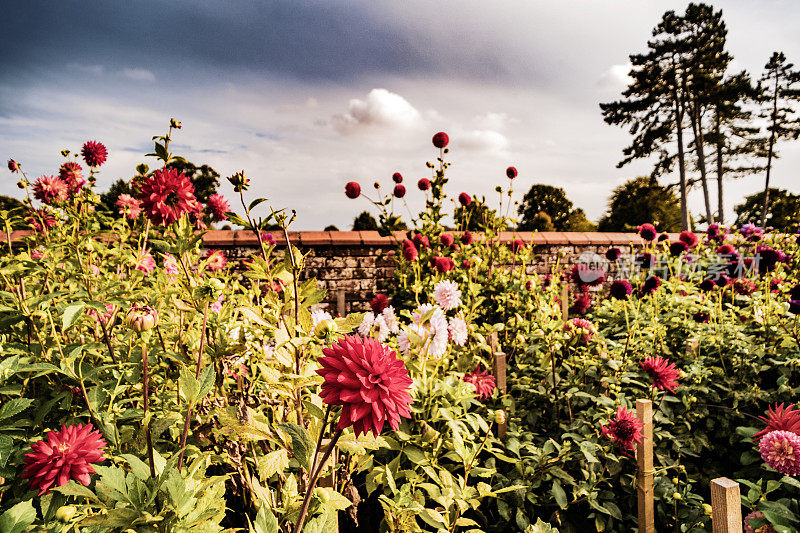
x=141 y=318
x=13 y=166
x=325 y=328
x=707 y=509
x=239 y=181
x=500 y=416
x=64 y=514
x=174 y=124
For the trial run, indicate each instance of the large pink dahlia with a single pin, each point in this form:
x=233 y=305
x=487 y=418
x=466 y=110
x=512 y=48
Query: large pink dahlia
x=781 y=451
x=71 y=173
x=780 y=418
x=368 y=380
x=166 y=195
x=218 y=207
x=94 y=153
x=129 y=206
x=50 y=190
x=64 y=455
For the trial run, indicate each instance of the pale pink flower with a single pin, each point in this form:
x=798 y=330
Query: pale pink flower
x=447 y=295
x=145 y=262
x=458 y=330
x=170 y=265
x=129 y=206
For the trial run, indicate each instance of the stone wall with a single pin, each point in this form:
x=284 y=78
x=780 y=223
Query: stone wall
x=359 y=262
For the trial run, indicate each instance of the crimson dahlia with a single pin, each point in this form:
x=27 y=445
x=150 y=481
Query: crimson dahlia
x=511 y=172
x=399 y=190
x=352 y=190
x=780 y=418
x=424 y=184
x=620 y=289
x=662 y=372
x=446 y=239
x=409 y=250
x=440 y=140
x=397 y=177
x=368 y=380
x=647 y=232
x=379 y=303
x=482 y=380
x=218 y=207
x=94 y=153
x=166 y=196
x=64 y=455
x=689 y=238
x=464 y=199
x=624 y=428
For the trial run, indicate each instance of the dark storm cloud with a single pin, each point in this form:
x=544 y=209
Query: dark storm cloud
x=335 y=41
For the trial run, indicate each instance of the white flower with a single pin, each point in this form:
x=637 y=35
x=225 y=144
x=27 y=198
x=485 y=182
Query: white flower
x=458 y=330
x=447 y=295
x=390 y=319
x=383 y=328
x=366 y=324
x=318 y=316
x=404 y=343
x=433 y=331
x=437 y=346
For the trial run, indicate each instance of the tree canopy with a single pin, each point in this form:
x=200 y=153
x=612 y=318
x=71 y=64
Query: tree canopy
x=783 y=213
x=638 y=201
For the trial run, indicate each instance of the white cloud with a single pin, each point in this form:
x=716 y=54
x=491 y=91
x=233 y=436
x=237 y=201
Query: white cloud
x=138 y=74
x=381 y=108
x=494 y=121
x=489 y=141
x=616 y=77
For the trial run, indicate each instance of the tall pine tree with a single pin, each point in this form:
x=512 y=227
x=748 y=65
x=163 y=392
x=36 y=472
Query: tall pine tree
x=780 y=84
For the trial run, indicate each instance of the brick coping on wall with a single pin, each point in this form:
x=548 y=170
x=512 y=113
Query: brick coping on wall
x=234 y=238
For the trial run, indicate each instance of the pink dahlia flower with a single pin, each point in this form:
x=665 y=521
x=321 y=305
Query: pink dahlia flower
x=216 y=260
x=129 y=206
x=750 y=527
x=409 y=250
x=71 y=173
x=482 y=380
x=218 y=206
x=167 y=195
x=624 y=428
x=368 y=380
x=663 y=373
x=268 y=238
x=50 y=190
x=94 y=153
x=64 y=455
x=446 y=239
x=458 y=331
x=581 y=323
x=424 y=184
x=170 y=265
x=447 y=295
x=13 y=166
x=781 y=451
x=145 y=262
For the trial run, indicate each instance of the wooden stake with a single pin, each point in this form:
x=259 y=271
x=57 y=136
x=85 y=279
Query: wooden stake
x=565 y=301
x=644 y=473
x=340 y=302
x=494 y=344
x=499 y=371
x=726 y=506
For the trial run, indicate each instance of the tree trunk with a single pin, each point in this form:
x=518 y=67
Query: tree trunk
x=699 y=148
x=681 y=157
x=769 y=152
x=720 y=170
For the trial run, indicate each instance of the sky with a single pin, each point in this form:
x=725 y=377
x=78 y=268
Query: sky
x=305 y=96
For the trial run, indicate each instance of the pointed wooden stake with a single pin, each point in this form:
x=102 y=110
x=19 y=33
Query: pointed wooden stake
x=565 y=301
x=644 y=473
x=726 y=506
x=340 y=302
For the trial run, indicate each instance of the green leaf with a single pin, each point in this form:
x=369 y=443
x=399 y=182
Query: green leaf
x=138 y=467
x=265 y=521
x=190 y=387
x=13 y=407
x=18 y=518
x=75 y=489
x=207 y=377
x=302 y=445
x=559 y=494
x=71 y=315
x=273 y=463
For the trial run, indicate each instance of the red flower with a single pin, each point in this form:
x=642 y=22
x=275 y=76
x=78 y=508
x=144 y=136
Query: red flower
x=651 y=285
x=516 y=245
x=511 y=172
x=443 y=264
x=482 y=380
x=466 y=238
x=612 y=254
x=677 y=248
x=745 y=287
x=440 y=140
x=446 y=239
x=397 y=177
x=368 y=380
x=379 y=303
x=647 y=232
x=726 y=249
x=352 y=190
x=662 y=372
x=464 y=199
x=421 y=241
x=218 y=206
x=399 y=190
x=65 y=455
x=71 y=173
x=13 y=166
x=50 y=190
x=38 y=216
x=216 y=260
x=94 y=153
x=689 y=238
x=624 y=428
x=424 y=184
x=409 y=250
x=780 y=418
x=166 y=196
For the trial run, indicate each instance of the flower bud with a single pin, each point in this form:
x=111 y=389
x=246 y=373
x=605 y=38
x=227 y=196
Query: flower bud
x=174 y=124
x=707 y=509
x=141 y=318
x=64 y=514
x=677 y=496
x=239 y=181
x=13 y=166
x=325 y=328
x=500 y=416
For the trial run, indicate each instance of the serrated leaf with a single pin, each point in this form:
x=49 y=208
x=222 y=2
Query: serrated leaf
x=75 y=489
x=13 y=407
x=302 y=445
x=273 y=463
x=138 y=467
